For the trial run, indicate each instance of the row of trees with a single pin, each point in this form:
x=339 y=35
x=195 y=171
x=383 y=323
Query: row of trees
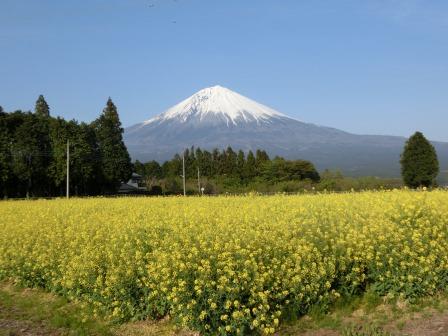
x=33 y=149
x=33 y=160
x=230 y=164
x=228 y=170
x=232 y=170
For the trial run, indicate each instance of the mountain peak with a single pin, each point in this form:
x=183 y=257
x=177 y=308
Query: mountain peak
x=218 y=104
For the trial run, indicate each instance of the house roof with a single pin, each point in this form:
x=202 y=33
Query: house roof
x=124 y=187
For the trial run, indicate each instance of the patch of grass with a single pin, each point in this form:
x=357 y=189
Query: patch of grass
x=43 y=313
x=36 y=310
x=400 y=325
x=366 y=330
x=367 y=315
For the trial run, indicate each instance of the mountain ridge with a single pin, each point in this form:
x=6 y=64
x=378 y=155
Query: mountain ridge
x=217 y=117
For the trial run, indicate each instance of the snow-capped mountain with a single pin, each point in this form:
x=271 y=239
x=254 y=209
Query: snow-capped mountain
x=217 y=117
x=217 y=105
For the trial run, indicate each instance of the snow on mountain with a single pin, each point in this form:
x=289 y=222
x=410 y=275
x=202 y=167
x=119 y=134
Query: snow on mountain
x=218 y=104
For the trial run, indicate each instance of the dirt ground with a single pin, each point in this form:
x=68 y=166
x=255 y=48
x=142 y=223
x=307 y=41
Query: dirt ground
x=436 y=325
x=25 y=328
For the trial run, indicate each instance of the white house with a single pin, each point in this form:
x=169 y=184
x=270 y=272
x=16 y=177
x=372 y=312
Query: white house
x=135 y=185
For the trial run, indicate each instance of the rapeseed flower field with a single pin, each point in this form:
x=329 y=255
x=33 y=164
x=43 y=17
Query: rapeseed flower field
x=227 y=265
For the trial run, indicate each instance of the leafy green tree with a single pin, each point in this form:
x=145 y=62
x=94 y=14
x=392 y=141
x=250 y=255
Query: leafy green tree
x=280 y=170
x=419 y=163
x=301 y=169
x=173 y=186
x=153 y=169
x=42 y=109
x=85 y=167
x=151 y=172
x=115 y=160
x=173 y=168
x=139 y=168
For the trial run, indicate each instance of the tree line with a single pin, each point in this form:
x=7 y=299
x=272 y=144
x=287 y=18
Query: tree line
x=33 y=153
x=233 y=170
x=33 y=158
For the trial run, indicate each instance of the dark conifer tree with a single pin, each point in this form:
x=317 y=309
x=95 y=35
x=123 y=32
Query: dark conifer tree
x=250 y=167
x=230 y=159
x=115 y=160
x=31 y=147
x=57 y=171
x=419 y=163
x=261 y=157
x=216 y=163
x=5 y=154
x=207 y=164
x=173 y=168
x=42 y=109
x=84 y=159
x=240 y=163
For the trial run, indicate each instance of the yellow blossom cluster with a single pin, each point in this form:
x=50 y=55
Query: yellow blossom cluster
x=227 y=265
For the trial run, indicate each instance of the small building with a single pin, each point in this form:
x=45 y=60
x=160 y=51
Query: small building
x=136 y=185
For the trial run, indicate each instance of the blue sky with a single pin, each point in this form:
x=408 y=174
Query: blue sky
x=371 y=67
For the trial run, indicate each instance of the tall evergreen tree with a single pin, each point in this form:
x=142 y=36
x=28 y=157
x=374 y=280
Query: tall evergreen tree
x=207 y=164
x=115 y=160
x=419 y=163
x=42 y=109
x=5 y=154
x=230 y=159
x=216 y=163
x=57 y=171
x=32 y=154
x=250 y=167
x=84 y=157
x=240 y=163
x=261 y=157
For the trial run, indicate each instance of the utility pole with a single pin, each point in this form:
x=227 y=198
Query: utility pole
x=68 y=170
x=183 y=172
x=199 y=182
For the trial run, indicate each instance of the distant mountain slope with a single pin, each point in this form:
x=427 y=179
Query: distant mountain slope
x=219 y=117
